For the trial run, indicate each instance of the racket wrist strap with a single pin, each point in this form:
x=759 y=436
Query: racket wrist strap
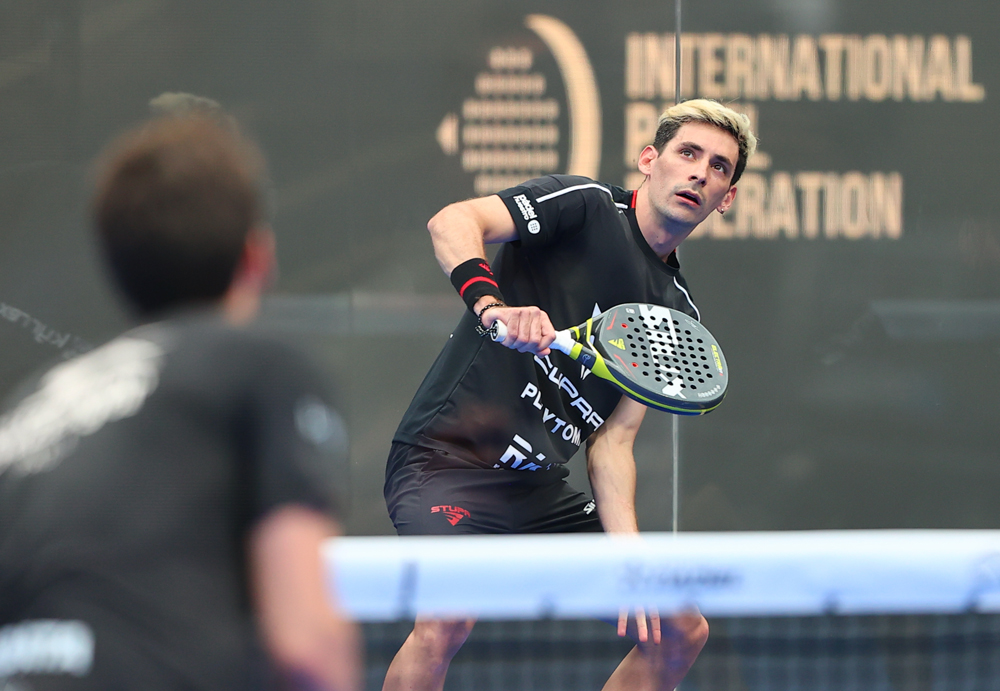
x=492 y=330
x=473 y=279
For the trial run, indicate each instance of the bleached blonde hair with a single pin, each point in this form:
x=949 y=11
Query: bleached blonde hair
x=713 y=113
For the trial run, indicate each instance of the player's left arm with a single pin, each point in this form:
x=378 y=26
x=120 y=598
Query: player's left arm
x=611 y=467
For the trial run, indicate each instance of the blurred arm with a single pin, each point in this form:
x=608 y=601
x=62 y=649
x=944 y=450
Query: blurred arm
x=313 y=645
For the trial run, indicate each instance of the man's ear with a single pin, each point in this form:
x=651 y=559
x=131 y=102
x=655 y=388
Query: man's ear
x=254 y=274
x=646 y=158
x=258 y=263
x=727 y=201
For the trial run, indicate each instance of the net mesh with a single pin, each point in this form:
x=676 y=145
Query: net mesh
x=835 y=653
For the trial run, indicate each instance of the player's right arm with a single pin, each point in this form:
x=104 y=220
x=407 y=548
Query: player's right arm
x=460 y=232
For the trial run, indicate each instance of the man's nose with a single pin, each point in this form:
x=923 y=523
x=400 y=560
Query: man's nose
x=699 y=174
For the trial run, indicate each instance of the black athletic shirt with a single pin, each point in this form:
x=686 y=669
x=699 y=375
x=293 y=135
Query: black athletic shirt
x=579 y=252
x=130 y=478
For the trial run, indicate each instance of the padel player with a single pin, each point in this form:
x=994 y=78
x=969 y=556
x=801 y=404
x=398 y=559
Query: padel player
x=482 y=447
x=163 y=498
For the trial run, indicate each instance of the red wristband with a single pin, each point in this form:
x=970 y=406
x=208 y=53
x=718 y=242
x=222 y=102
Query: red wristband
x=473 y=279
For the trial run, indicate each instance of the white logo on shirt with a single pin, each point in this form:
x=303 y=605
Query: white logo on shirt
x=76 y=399
x=318 y=424
x=534 y=227
x=527 y=210
x=46 y=646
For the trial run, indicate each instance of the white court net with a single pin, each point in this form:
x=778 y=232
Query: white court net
x=880 y=610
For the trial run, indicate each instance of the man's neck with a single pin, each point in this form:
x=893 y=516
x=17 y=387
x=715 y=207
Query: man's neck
x=662 y=234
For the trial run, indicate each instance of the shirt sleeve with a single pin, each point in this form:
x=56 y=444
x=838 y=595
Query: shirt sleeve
x=548 y=209
x=298 y=441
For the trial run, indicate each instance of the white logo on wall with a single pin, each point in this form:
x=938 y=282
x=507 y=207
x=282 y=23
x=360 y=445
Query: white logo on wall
x=76 y=399
x=745 y=71
x=509 y=131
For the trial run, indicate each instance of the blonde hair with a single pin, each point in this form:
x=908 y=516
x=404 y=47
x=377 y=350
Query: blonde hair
x=713 y=113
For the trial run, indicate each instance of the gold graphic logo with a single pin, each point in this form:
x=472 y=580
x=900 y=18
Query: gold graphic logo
x=618 y=343
x=509 y=131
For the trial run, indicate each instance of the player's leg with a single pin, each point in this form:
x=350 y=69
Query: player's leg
x=558 y=508
x=661 y=666
x=434 y=494
x=543 y=502
x=422 y=662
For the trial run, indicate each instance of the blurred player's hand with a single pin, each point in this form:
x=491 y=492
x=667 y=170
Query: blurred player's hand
x=645 y=630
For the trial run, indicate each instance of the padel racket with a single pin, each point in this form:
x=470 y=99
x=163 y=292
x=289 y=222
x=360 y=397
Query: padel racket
x=658 y=356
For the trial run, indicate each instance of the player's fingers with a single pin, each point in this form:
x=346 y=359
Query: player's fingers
x=548 y=332
x=654 y=624
x=513 y=321
x=538 y=342
x=640 y=624
x=530 y=330
x=524 y=343
x=623 y=622
x=542 y=333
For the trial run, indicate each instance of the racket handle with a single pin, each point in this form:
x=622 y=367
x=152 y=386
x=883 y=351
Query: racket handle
x=499 y=331
x=564 y=341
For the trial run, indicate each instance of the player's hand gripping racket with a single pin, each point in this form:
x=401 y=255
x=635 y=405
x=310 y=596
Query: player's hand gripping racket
x=658 y=356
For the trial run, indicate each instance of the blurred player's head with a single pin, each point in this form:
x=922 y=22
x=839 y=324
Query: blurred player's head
x=178 y=213
x=712 y=113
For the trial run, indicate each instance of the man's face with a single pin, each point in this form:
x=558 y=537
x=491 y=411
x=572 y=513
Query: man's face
x=690 y=178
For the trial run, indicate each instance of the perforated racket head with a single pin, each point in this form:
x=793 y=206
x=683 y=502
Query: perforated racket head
x=664 y=355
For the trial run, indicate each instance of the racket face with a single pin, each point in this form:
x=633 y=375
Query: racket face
x=663 y=355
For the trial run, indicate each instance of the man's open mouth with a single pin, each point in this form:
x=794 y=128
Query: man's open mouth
x=690 y=196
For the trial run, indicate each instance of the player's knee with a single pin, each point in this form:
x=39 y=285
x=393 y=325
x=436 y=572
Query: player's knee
x=442 y=639
x=697 y=634
x=690 y=632
x=683 y=638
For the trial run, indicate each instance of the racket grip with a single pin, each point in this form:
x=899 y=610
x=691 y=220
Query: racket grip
x=564 y=342
x=499 y=331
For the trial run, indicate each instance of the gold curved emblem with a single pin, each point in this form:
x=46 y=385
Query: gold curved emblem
x=582 y=96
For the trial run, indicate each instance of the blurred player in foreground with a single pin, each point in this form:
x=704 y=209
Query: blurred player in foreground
x=163 y=498
x=483 y=446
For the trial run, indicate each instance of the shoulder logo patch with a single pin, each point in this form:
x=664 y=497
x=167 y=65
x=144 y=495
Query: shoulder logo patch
x=525 y=207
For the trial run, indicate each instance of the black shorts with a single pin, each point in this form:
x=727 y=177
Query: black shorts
x=432 y=492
